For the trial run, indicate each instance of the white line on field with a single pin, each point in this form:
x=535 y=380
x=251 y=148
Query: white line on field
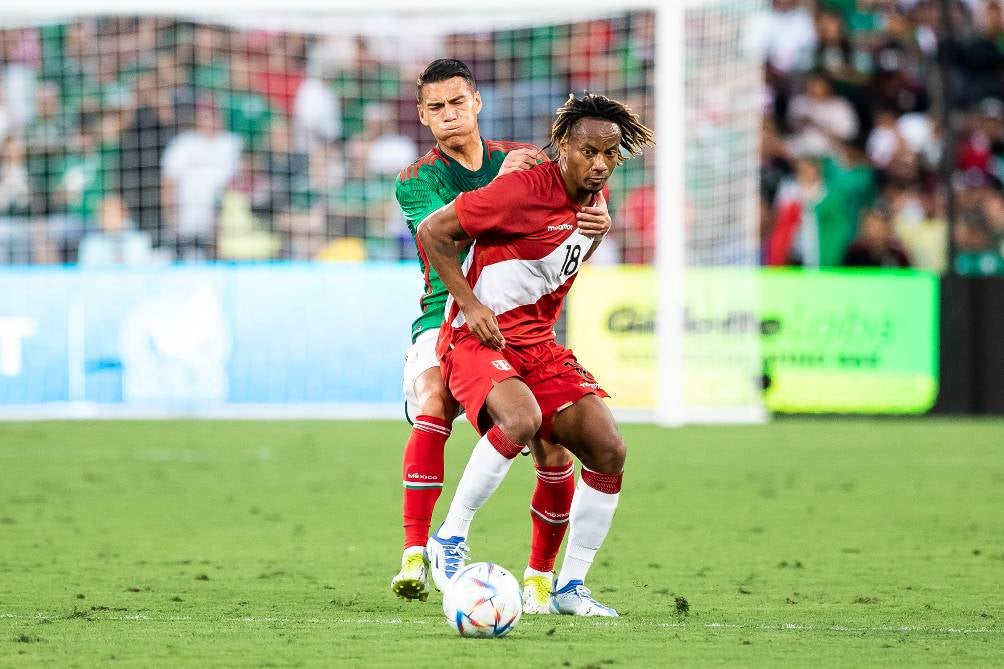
x=783 y=627
x=843 y=628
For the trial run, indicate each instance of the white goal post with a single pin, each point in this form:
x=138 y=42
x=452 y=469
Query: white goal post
x=708 y=240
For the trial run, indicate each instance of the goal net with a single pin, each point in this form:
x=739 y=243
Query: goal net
x=197 y=133
x=708 y=298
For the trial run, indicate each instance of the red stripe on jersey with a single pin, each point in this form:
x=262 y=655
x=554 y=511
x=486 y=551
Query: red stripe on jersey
x=412 y=170
x=523 y=249
x=534 y=323
x=526 y=254
x=429 y=158
x=489 y=254
x=526 y=314
x=521 y=326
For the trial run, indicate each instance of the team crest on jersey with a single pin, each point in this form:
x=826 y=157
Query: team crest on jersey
x=502 y=365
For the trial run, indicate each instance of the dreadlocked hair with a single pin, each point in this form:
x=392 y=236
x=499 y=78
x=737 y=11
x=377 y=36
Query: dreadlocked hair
x=635 y=135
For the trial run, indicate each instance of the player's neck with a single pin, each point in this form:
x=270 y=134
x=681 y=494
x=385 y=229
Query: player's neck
x=470 y=155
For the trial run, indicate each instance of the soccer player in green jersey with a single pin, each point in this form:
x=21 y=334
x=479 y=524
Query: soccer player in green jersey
x=448 y=104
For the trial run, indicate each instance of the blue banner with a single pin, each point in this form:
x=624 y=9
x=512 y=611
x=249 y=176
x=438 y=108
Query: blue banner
x=188 y=337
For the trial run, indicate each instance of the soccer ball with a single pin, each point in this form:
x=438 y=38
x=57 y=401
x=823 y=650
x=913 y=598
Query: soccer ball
x=483 y=600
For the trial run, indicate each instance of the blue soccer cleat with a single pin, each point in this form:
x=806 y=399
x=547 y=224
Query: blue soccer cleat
x=446 y=558
x=575 y=600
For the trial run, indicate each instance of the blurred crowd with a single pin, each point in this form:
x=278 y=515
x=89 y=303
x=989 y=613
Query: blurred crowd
x=143 y=139
x=853 y=136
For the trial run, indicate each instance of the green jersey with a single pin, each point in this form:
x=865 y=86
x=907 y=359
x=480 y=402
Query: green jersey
x=432 y=181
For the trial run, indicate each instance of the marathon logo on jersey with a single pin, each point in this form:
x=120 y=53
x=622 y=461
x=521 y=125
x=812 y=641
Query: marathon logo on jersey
x=560 y=228
x=594 y=386
x=502 y=365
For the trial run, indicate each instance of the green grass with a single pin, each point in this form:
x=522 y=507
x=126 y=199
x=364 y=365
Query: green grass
x=804 y=542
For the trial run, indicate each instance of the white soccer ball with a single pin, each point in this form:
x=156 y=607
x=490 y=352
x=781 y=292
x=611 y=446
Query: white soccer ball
x=483 y=600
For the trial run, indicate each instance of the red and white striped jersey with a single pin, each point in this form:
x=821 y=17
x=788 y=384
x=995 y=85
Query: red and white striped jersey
x=526 y=253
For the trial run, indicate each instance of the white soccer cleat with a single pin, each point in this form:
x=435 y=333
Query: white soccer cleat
x=575 y=600
x=412 y=582
x=446 y=558
x=537 y=589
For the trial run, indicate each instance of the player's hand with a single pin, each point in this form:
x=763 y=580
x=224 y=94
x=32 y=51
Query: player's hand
x=518 y=160
x=594 y=221
x=482 y=322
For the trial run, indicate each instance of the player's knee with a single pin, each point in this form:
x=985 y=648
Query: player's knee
x=611 y=453
x=521 y=424
x=559 y=457
x=438 y=405
x=550 y=455
x=433 y=397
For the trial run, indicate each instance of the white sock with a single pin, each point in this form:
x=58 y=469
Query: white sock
x=588 y=522
x=413 y=549
x=530 y=571
x=483 y=474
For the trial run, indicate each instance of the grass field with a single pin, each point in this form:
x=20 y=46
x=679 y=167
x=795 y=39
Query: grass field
x=830 y=543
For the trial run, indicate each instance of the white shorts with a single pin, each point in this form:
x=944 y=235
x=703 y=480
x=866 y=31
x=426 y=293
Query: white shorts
x=420 y=356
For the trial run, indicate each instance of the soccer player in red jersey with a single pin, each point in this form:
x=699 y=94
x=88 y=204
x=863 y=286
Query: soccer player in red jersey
x=448 y=104
x=497 y=345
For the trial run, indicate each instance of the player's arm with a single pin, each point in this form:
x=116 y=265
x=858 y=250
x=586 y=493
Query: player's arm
x=438 y=236
x=594 y=222
x=417 y=200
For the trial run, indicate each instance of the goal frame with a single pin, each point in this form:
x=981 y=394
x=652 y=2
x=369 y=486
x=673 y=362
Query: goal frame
x=669 y=123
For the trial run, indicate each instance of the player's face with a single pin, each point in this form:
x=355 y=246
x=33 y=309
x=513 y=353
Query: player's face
x=589 y=154
x=450 y=110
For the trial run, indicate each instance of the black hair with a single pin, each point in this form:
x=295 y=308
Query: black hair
x=442 y=69
x=634 y=134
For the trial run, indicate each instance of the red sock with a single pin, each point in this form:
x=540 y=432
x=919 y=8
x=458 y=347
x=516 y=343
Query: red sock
x=606 y=483
x=552 y=500
x=501 y=442
x=423 y=476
